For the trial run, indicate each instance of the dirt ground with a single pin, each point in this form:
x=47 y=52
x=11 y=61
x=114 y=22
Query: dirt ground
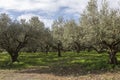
x=23 y=75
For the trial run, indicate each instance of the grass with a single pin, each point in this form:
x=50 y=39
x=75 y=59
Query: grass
x=69 y=64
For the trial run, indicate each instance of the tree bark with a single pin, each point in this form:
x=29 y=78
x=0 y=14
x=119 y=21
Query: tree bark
x=113 y=49
x=59 y=49
x=77 y=47
x=46 y=49
x=112 y=58
x=14 y=57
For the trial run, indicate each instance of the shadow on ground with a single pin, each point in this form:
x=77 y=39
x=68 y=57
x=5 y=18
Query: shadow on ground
x=68 y=64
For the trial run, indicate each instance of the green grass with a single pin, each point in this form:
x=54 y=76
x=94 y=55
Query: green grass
x=69 y=63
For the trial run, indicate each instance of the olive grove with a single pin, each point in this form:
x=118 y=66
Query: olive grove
x=98 y=29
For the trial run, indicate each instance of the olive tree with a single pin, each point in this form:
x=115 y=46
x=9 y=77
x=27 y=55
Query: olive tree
x=72 y=35
x=47 y=40
x=108 y=31
x=12 y=39
x=36 y=29
x=15 y=35
x=103 y=28
x=88 y=19
x=57 y=32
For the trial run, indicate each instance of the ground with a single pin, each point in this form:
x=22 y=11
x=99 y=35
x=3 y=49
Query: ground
x=19 y=75
x=71 y=66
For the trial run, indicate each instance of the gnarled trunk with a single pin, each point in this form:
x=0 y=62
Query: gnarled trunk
x=14 y=57
x=59 y=49
x=113 y=49
x=46 y=49
x=113 y=58
x=77 y=47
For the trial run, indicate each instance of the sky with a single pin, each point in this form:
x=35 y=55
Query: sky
x=46 y=10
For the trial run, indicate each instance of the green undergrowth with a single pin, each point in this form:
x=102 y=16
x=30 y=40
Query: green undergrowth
x=70 y=62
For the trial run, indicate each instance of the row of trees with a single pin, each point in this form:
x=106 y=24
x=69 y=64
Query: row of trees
x=98 y=29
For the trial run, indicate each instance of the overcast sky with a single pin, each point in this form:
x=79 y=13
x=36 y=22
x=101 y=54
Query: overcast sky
x=46 y=10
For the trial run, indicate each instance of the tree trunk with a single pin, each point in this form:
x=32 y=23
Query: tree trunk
x=46 y=49
x=113 y=49
x=14 y=57
x=59 y=50
x=77 y=47
x=78 y=50
x=112 y=58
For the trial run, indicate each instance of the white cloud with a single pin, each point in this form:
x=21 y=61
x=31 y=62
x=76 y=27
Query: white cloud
x=114 y=4
x=26 y=16
x=28 y=5
x=45 y=5
x=7 y=12
x=74 y=7
x=46 y=21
